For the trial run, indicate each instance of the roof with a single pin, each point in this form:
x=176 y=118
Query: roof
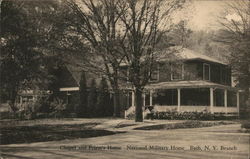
x=185 y=54
x=71 y=75
x=179 y=53
x=66 y=78
x=186 y=84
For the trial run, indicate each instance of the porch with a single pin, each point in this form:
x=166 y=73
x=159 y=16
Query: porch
x=190 y=96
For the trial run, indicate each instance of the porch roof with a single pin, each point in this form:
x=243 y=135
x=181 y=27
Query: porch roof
x=188 y=84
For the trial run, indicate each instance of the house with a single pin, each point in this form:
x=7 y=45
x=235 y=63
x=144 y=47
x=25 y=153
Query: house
x=191 y=82
x=187 y=82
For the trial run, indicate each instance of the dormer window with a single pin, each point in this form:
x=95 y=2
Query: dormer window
x=177 y=71
x=206 y=72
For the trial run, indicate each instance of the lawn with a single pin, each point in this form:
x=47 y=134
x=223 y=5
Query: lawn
x=53 y=132
x=30 y=131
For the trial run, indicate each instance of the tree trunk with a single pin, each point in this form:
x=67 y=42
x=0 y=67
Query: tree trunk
x=138 y=105
x=116 y=103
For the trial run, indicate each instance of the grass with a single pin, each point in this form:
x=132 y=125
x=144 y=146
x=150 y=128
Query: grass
x=183 y=125
x=42 y=133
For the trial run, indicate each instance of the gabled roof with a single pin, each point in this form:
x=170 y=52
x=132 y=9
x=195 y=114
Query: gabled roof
x=66 y=78
x=71 y=75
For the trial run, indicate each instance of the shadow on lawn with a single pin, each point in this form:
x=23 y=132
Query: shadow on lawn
x=7 y=152
x=42 y=133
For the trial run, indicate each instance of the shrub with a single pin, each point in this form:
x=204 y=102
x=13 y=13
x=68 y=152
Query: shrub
x=58 y=107
x=170 y=115
x=131 y=116
x=246 y=124
x=182 y=125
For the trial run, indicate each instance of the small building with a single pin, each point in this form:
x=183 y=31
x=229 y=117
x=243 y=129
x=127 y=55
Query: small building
x=191 y=82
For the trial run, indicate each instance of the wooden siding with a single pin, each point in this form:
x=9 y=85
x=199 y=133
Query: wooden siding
x=193 y=70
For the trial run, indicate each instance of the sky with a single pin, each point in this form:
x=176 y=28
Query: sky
x=203 y=14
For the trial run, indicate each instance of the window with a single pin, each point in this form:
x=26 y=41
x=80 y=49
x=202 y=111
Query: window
x=177 y=71
x=165 y=97
x=206 y=72
x=155 y=74
x=124 y=73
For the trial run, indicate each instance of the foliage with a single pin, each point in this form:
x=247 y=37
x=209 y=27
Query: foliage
x=174 y=115
x=143 y=21
x=18 y=59
x=29 y=36
x=131 y=116
x=180 y=34
x=236 y=35
x=99 y=26
x=124 y=31
x=58 y=107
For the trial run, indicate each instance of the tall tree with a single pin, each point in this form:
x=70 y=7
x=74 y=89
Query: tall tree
x=144 y=22
x=125 y=31
x=20 y=61
x=236 y=35
x=32 y=34
x=99 y=25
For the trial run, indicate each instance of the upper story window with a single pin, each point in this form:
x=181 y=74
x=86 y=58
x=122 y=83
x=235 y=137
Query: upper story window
x=155 y=74
x=225 y=75
x=177 y=71
x=123 y=73
x=206 y=72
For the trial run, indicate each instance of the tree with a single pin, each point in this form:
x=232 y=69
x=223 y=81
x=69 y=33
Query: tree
x=99 y=25
x=180 y=34
x=143 y=21
x=125 y=31
x=32 y=36
x=83 y=94
x=236 y=35
x=20 y=61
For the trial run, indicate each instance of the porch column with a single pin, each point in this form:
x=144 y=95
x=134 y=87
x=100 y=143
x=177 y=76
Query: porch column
x=151 y=98
x=225 y=100
x=144 y=99
x=178 y=99
x=133 y=99
x=211 y=100
x=238 y=102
